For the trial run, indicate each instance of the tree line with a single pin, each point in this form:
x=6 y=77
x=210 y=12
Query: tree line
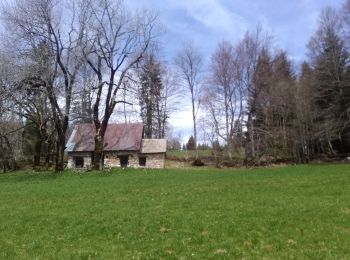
x=96 y=61
x=257 y=104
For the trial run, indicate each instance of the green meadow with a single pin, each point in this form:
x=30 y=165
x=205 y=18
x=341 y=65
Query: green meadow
x=294 y=212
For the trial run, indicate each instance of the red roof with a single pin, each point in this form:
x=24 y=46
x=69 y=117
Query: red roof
x=118 y=137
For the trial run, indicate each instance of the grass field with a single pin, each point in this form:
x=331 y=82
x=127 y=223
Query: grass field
x=294 y=212
x=183 y=154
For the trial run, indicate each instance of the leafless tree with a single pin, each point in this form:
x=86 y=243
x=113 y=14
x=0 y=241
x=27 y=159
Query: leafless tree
x=34 y=23
x=10 y=124
x=29 y=101
x=250 y=47
x=189 y=62
x=210 y=121
x=170 y=96
x=227 y=88
x=116 y=40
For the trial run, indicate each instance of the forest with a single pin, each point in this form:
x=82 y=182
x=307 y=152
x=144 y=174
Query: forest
x=63 y=63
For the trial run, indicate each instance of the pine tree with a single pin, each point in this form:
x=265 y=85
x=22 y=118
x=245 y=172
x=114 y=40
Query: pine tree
x=258 y=107
x=332 y=91
x=150 y=98
x=191 y=145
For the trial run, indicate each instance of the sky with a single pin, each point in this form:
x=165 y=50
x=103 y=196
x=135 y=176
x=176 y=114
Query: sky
x=207 y=22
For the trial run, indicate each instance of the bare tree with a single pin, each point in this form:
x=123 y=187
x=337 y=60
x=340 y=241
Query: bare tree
x=190 y=64
x=116 y=41
x=227 y=88
x=210 y=122
x=250 y=48
x=30 y=102
x=36 y=23
x=10 y=124
x=171 y=93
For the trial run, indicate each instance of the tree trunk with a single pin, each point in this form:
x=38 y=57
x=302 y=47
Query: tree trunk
x=98 y=153
x=48 y=155
x=229 y=147
x=9 y=158
x=59 y=167
x=37 y=152
x=149 y=122
x=228 y=136
x=61 y=128
x=195 y=135
x=2 y=158
x=250 y=153
x=194 y=125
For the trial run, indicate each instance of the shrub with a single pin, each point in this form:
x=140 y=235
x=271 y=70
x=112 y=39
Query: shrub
x=198 y=162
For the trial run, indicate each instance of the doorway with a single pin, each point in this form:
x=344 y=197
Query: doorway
x=124 y=160
x=79 y=162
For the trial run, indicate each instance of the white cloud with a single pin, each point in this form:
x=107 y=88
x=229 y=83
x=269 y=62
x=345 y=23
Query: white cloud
x=212 y=14
x=182 y=119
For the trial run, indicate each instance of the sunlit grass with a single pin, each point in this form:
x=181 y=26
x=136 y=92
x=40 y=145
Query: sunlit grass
x=293 y=212
x=188 y=153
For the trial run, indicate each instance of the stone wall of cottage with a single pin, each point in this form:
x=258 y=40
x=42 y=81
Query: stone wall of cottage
x=85 y=156
x=112 y=160
x=152 y=160
x=156 y=160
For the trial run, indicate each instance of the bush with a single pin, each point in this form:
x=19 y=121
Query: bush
x=191 y=145
x=198 y=162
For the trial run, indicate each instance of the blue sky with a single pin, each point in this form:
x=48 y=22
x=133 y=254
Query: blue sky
x=207 y=22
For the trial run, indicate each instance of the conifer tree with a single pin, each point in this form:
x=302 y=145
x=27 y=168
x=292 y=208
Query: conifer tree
x=150 y=97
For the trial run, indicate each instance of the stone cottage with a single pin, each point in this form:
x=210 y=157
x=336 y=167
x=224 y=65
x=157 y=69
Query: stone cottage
x=124 y=146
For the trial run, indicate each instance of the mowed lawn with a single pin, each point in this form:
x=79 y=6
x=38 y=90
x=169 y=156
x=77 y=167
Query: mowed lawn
x=294 y=212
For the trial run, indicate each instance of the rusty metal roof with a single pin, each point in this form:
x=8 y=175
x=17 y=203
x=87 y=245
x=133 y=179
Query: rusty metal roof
x=118 y=137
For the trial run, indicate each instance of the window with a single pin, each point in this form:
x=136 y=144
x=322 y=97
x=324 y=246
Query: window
x=79 y=162
x=142 y=161
x=124 y=159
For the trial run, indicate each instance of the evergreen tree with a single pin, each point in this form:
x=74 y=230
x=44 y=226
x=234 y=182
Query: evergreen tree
x=332 y=83
x=258 y=107
x=191 y=145
x=81 y=107
x=282 y=106
x=150 y=97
